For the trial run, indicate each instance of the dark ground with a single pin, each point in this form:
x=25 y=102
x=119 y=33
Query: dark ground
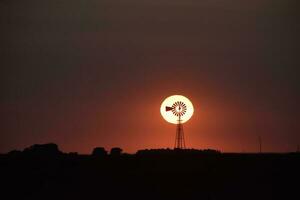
x=149 y=174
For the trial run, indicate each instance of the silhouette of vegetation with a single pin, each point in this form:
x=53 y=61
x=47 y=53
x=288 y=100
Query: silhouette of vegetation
x=14 y=153
x=43 y=150
x=99 y=152
x=116 y=151
x=44 y=172
x=177 y=152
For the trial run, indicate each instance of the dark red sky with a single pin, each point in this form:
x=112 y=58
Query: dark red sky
x=86 y=73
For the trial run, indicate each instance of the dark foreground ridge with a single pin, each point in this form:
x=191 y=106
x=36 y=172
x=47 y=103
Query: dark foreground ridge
x=44 y=172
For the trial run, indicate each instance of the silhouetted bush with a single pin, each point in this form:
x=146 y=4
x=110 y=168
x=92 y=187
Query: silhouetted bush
x=116 y=151
x=99 y=152
x=14 y=153
x=178 y=152
x=50 y=149
x=73 y=154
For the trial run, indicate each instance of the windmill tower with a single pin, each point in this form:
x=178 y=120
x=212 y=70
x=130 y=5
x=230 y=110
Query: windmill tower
x=179 y=139
x=177 y=110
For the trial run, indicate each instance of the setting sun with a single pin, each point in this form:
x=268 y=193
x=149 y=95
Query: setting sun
x=175 y=107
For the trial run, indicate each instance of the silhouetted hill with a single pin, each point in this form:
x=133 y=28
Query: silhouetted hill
x=44 y=172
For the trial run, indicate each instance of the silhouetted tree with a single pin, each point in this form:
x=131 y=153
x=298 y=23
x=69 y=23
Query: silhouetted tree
x=177 y=151
x=14 y=153
x=116 y=151
x=99 y=152
x=50 y=149
x=73 y=154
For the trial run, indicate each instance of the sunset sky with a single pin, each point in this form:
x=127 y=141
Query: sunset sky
x=87 y=73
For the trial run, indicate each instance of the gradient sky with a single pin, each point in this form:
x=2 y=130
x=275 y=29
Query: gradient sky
x=87 y=73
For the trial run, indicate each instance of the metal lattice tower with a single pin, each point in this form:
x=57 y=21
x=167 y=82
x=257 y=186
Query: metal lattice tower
x=179 y=140
x=178 y=109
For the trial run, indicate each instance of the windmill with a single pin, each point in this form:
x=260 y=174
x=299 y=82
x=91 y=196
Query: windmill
x=177 y=110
